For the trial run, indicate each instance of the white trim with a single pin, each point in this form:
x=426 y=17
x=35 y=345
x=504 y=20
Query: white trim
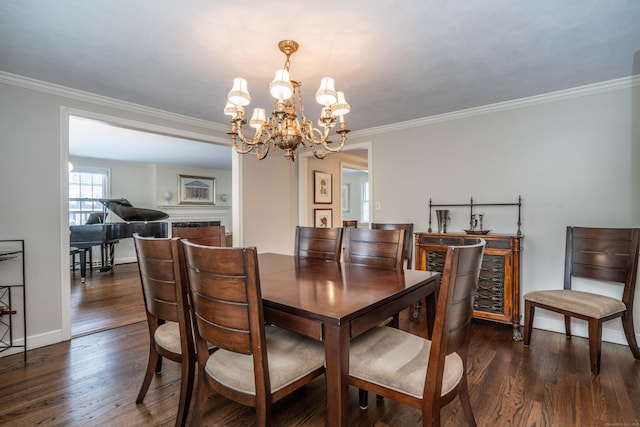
x=148 y=127
x=65 y=276
x=591 y=89
x=79 y=95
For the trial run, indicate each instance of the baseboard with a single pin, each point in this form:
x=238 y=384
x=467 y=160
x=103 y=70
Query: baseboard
x=36 y=341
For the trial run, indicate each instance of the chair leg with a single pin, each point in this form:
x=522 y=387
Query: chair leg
x=202 y=396
x=630 y=333
x=186 y=389
x=567 y=326
x=529 y=312
x=466 y=402
x=152 y=363
x=595 y=344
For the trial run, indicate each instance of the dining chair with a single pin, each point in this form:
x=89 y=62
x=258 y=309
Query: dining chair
x=377 y=248
x=608 y=256
x=350 y=223
x=321 y=243
x=426 y=374
x=408 y=250
x=209 y=235
x=254 y=365
x=165 y=299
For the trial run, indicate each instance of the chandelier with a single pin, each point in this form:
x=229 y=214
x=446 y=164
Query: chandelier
x=287 y=127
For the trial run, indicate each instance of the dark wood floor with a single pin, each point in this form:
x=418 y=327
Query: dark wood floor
x=93 y=380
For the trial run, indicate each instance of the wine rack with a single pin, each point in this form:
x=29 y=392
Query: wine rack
x=12 y=292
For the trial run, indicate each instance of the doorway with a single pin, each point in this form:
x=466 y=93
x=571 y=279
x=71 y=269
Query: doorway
x=105 y=300
x=358 y=154
x=354 y=197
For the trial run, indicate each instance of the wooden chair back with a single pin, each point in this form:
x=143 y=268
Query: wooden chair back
x=604 y=254
x=454 y=312
x=350 y=223
x=208 y=235
x=164 y=289
x=378 y=248
x=225 y=297
x=321 y=243
x=408 y=238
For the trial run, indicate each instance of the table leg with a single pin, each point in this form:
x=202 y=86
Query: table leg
x=430 y=304
x=336 y=345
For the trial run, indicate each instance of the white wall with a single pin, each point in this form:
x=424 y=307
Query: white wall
x=573 y=160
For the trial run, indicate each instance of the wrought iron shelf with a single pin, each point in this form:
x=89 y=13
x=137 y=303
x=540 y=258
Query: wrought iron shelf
x=472 y=205
x=11 y=250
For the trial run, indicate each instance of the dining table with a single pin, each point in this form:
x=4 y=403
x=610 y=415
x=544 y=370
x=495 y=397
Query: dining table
x=334 y=302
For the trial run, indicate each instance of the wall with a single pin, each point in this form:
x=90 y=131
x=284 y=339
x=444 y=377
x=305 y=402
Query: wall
x=572 y=158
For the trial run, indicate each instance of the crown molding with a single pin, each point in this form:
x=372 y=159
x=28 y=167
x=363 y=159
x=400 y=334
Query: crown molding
x=591 y=89
x=53 y=89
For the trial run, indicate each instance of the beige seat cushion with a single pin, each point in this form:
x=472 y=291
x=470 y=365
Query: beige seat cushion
x=167 y=336
x=584 y=303
x=398 y=360
x=290 y=357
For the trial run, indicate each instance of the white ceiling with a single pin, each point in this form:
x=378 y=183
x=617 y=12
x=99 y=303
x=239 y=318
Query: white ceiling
x=395 y=60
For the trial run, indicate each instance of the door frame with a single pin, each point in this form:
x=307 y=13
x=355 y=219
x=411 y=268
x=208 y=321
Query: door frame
x=304 y=193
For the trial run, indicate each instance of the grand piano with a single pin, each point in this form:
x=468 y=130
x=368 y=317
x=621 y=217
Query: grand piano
x=107 y=235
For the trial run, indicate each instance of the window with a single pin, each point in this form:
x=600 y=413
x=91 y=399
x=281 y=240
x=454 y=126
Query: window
x=86 y=187
x=365 y=200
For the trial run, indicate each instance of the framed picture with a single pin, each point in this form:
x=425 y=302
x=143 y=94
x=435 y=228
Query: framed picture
x=346 y=197
x=323 y=218
x=196 y=190
x=321 y=187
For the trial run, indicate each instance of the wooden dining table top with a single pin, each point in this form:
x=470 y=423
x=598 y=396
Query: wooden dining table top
x=331 y=291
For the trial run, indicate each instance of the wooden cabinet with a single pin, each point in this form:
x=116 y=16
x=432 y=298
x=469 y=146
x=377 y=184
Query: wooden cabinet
x=498 y=295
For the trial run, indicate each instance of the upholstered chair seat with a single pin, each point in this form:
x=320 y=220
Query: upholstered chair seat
x=398 y=360
x=584 y=303
x=167 y=336
x=291 y=357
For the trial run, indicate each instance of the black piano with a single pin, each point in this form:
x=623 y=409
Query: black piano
x=107 y=235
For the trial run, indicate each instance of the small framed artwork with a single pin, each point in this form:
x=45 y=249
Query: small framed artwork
x=196 y=190
x=346 y=197
x=323 y=218
x=321 y=187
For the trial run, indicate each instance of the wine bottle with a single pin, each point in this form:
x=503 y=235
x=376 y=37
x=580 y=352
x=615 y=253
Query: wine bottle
x=5 y=310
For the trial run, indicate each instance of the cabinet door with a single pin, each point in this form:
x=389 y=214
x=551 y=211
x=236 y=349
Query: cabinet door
x=493 y=297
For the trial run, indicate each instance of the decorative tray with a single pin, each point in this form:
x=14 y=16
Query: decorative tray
x=477 y=231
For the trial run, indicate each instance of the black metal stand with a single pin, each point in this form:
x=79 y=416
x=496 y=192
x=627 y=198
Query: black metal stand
x=471 y=205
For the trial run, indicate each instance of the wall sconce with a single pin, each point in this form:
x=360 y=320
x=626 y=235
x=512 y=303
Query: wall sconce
x=168 y=195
